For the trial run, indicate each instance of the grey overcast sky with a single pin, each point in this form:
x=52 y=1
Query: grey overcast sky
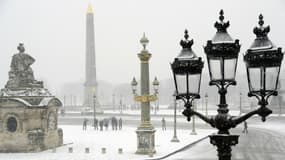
x=53 y=32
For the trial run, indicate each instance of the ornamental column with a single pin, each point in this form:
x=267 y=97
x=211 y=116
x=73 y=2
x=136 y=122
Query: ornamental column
x=145 y=131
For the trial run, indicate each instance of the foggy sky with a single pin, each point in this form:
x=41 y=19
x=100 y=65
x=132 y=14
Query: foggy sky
x=53 y=32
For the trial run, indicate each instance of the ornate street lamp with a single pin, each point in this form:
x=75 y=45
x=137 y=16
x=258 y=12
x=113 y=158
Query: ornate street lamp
x=134 y=84
x=187 y=69
x=222 y=54
x=155 y=84
x=263 y=61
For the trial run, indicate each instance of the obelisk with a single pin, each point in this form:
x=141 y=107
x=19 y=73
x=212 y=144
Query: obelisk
x=90 y=86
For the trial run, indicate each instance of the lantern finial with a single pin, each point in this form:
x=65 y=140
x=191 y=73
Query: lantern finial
x=260 y=31
x=144 y=41
x=222 y=26
x=221 y=15
x=186 y=43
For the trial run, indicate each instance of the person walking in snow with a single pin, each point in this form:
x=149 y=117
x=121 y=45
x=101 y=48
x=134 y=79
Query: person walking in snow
x=120 y=124
x=163 y=124
x=85 y=124
x=245 y=127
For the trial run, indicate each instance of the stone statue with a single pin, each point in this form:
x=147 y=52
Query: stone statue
x=21 y=74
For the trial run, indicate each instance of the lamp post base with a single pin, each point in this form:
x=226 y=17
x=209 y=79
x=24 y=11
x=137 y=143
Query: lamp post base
x=224 y=143
x=193 y=133
x=145 y=141
x=175 y=139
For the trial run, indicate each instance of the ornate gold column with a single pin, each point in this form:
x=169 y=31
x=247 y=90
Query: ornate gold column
x=145 y=131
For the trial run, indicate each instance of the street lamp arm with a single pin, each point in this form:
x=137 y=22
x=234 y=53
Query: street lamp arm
x=237 y=120
x=188 y=112
x=207 y=119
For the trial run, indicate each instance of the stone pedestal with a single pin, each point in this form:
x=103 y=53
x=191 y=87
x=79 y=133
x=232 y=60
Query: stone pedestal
x=28 y=122
x=145 y=141
x=27 y=127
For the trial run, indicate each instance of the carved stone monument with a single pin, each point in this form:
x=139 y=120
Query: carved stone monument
x=28 y=112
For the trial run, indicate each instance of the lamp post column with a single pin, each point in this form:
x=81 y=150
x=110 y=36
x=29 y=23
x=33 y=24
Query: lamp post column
x=193 y=119
x=240 y=111
x=174 y=139
x=113 y=101
x=206 y=100
x=145 y=131
x=121 y=105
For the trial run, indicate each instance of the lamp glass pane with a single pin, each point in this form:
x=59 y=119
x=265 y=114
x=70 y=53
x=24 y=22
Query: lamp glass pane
x=230 y=68
x=194 y=82
x=181 y=84
x=271 y=78
x=134 y=87
x=215 y=69
x=155 y=87
x=255 y=79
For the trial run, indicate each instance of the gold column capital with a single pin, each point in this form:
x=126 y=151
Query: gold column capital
x=144 y=56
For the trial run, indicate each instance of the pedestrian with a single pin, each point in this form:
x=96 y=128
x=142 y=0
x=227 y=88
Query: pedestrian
x=106 y=123
x=101 y=125
x=120 y=123
x=245 y=127
x=163 y=124
x=95 y=125
x=114 y=123
x=85 y=124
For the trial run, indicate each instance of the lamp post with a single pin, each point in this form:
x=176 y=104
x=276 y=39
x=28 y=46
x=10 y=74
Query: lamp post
x=262 y=60
x=240 y=111
x=174 y=138
x=193 y=132
x=121 y=105
x=155 y=84
x=94 y=109
x=279 y=98
x=113 y=101
x=206 y=101
x=145 y=131
x=134 y=84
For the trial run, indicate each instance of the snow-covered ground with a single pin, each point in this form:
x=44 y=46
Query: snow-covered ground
x=168 y=112
x=126 y=139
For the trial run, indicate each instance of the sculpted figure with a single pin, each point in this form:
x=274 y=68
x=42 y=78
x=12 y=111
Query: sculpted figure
x=21 y=74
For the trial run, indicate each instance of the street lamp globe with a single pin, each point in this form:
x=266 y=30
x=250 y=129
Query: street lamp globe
x=134 y=84
x=187 y=69
x=222 y=54
x=263 y=61
x=155 y=84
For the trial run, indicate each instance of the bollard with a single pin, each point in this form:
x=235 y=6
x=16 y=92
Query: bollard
x=53 y=150
x=103 y=150
x=120 y=150
x=87 y=150
x=70 y=149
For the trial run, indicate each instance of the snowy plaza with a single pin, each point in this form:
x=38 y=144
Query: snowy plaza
x=142 y=80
